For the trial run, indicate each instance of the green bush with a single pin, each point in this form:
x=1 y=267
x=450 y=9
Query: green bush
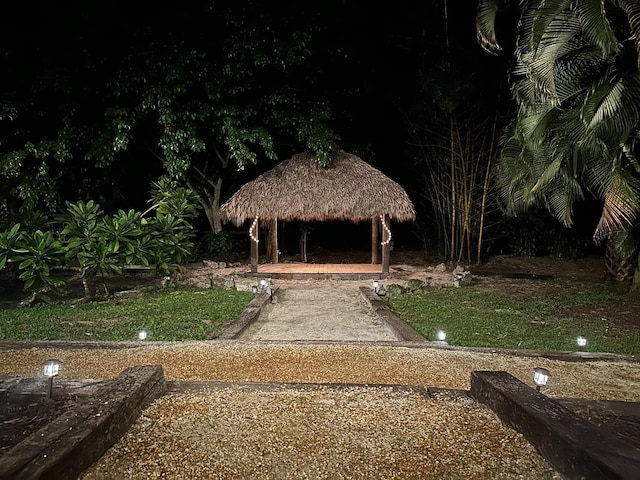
x=218 y=244
x=99 y=244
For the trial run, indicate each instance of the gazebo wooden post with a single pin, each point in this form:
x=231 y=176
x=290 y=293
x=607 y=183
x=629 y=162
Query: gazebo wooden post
x=375 y=235
x=274 y=240
x=386 y=239
x=253 y=233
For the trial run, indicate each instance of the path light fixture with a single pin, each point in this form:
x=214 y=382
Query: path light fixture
x=375 y=286
x=254 y=289
x=458 y=279
x=441 y=335
x=51 y=369
x=265 y=286
x=142 y=335
x=540 y=377
x=581 y=341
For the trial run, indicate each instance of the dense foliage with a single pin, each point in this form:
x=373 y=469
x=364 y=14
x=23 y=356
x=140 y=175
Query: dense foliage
x=83 y=237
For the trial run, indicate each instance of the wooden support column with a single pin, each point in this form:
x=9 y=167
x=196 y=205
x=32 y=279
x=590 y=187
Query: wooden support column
x=375 y=235
x=253 y=234
x=274 y=240
x=386 y=248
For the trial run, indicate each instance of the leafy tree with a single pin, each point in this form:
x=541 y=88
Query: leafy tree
x=212 y=103
x=577 y=86
x=206 y=91
x=52 y=104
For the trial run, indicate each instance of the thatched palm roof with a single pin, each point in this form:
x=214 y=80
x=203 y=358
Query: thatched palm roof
x=298 y=189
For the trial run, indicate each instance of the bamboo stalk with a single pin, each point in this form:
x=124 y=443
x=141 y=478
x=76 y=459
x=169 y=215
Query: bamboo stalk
x=453 y=192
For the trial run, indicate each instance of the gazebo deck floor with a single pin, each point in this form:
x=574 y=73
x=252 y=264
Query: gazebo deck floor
x=320 y=271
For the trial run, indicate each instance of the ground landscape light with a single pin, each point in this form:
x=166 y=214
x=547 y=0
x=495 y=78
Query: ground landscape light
x=459 y=276
x=51 y=369
x=442 y=335
x=376 y=285
x=581 y=341
x=540 y=377
x=142 y=335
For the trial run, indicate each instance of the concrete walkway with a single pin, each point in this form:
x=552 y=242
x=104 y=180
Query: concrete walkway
x=333 y=313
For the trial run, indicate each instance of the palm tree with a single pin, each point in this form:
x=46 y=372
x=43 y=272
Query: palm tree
x=577 y=85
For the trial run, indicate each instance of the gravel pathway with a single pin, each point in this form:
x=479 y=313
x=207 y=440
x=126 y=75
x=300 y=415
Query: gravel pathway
x=318 y=313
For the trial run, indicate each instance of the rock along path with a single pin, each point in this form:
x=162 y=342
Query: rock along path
x=318 y=312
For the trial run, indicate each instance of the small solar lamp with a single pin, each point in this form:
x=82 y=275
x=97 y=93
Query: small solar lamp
x=441 y=335
x=581 y=341
x=142 y=335
x=51 y=369
x=540 y=377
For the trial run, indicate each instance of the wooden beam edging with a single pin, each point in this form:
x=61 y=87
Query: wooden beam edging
x=246 y=318
x=400 y=329
x=572 y=445
x=74 y=441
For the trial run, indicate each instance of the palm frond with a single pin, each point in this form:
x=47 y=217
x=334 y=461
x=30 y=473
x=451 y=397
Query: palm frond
x=560 y=198
x=549 y=174
x=625 y=242
x=535 y=20
x=553 y=45
x=612 y=107
x=486 y=15
x=535 y=124
x=596 y=28
x=619 y=190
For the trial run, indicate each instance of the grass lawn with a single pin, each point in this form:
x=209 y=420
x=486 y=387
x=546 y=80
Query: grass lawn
x=472 y=318
x=180 y=314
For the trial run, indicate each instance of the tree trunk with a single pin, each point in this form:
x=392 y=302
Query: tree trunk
x=619 y=268
x=635 y=282
x=209 y=192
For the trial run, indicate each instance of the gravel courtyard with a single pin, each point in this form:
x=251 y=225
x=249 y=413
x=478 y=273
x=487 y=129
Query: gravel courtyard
x=251 y=423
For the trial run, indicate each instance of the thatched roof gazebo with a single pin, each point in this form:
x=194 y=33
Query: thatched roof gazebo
x=298 y=189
